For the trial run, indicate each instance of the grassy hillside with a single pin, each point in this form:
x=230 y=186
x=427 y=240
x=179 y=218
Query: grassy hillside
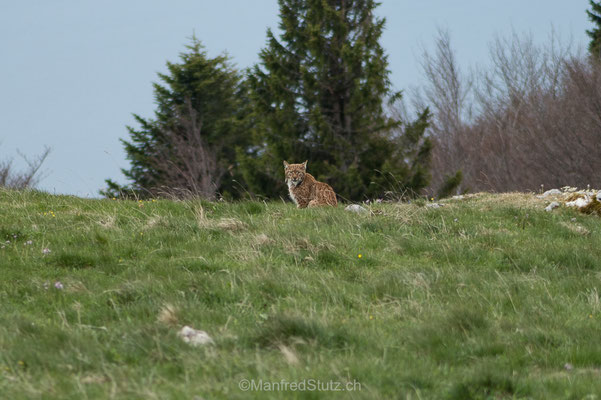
x=486 y=297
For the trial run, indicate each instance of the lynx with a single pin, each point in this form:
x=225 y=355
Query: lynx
x=304 y=190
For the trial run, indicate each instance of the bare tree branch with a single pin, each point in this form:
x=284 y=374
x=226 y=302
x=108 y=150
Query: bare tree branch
x=188 y=162
x=536 y=116
x=25 y=179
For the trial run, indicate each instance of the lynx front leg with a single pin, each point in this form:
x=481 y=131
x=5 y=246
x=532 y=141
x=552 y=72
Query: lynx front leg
x=314 y=203
x=301 y=204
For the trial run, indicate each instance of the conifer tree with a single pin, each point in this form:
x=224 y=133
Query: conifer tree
x=188 y=148
x=594 y=15
x=319 y=94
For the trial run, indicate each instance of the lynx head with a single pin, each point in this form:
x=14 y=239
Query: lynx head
x=295 y=173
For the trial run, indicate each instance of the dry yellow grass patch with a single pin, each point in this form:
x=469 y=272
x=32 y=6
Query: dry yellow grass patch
x=262 y=239
x=513 y=199
x=249 y=246
x=579 y=229
x=403 y=212
x=75 y=286
x=94 y=378
x=107 y=221
x=289 y=354
x=226 y=224
x=296 y=245
x=168 y=315
x=416 y=281
x=230 y=224
x=154 y=221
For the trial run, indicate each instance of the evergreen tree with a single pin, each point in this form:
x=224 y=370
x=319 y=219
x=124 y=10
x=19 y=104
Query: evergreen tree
x=319 y=94
x=594 y=15
x=189 y=148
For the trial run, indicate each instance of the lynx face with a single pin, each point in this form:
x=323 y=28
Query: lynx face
x=295 y=173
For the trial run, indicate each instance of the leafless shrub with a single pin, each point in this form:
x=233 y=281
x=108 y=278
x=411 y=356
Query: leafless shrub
x=28 y=178
x=449 y=94
x=448 y=90
x=532 y=118
x=187 y=161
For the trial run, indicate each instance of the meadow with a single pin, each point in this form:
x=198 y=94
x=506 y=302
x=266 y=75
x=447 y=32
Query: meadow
x=488 y=297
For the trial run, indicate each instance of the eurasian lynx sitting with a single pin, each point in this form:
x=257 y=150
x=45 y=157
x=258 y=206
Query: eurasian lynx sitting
x=305 y=190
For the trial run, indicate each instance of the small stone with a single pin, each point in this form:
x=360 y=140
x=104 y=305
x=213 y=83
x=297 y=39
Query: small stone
x=194 y=337
x=552 y=206
x=568 y=367
x=581 y=230
x=458 y=197
x=434 y=205
x=579 y=202
x=263 y=239
x=356 y=208
x=552 y=192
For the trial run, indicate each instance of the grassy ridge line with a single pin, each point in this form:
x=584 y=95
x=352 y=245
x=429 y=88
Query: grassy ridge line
x=485 y=297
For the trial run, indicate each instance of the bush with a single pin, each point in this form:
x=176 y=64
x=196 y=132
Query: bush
x=530 y=119
x=12 y=179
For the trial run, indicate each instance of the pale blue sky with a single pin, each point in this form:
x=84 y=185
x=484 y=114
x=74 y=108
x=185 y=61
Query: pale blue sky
x=73 y=71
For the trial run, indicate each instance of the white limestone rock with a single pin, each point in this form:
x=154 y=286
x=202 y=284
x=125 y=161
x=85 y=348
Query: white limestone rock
x=356 y=208
x=579 y=202
x=194 y=337
x=551 y=192
x=552 y=206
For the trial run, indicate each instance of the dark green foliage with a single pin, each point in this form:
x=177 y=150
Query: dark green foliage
x=594 y=15
x=485 y=385
x=189 y=146
x=286 y=329
x=318 y=95
x=11 y=234
x=450 y=185
x=72 y=260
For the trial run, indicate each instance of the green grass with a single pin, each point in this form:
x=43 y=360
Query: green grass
x=485 y=298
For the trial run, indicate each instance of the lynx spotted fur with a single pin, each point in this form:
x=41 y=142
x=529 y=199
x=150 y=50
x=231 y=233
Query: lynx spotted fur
x=305 y=190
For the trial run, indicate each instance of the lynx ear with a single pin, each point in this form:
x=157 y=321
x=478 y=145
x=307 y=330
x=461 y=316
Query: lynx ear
x=305 y=164
x=286 y=165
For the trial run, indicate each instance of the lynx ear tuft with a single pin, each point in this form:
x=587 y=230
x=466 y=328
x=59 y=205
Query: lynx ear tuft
x=305 y=164
x=286 y=165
